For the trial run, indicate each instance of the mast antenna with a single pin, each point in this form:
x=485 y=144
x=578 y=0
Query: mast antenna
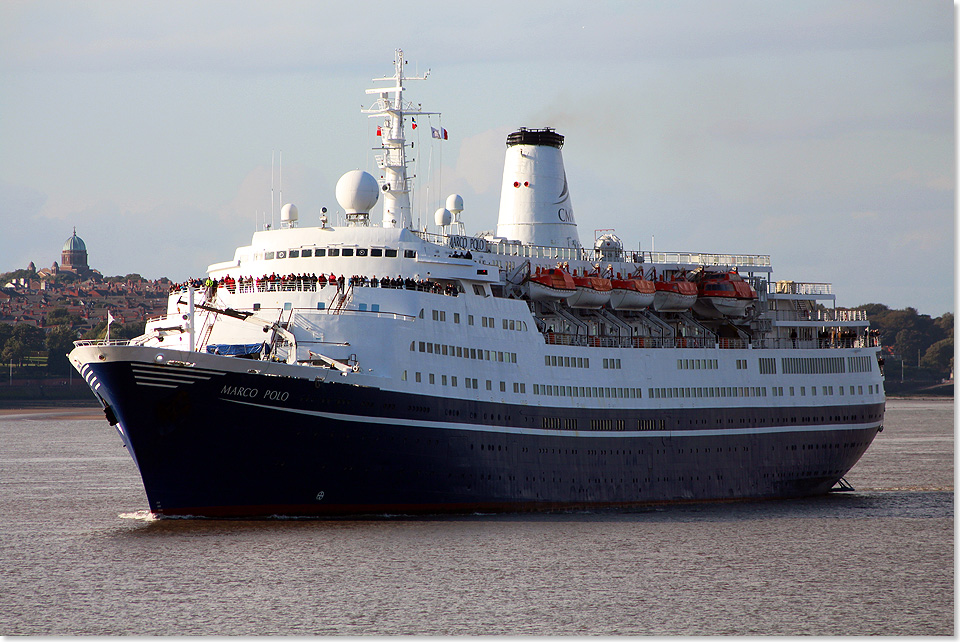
x=272 y=154
x=396 y=185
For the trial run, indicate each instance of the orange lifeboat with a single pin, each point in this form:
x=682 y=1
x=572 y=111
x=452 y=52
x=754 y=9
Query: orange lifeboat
x=551 y=284
x=634 y=293
x=593 y=292
x=675 y=295
x=723 y=294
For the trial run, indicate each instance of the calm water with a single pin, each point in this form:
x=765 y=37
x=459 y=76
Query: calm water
x=79 y=556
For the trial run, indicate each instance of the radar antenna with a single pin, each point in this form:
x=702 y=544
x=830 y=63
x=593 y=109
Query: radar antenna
x=393 y=161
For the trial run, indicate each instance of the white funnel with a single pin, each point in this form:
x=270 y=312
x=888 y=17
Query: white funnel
x=535 y=204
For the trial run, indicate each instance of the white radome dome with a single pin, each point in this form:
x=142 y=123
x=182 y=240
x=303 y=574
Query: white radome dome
x=288 y=213
x=443 y=217
x=357 y=192
x=455 y=203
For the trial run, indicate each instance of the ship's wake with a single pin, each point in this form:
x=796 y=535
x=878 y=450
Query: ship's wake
x=142 y=515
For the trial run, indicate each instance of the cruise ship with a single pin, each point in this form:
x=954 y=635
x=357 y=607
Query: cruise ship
x=366 y=366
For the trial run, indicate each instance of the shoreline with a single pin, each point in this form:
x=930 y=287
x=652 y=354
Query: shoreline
x=87 y=412
x=920 y=397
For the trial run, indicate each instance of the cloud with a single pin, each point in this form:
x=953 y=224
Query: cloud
x=254 y=36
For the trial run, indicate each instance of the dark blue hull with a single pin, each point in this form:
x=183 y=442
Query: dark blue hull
x=221 y=444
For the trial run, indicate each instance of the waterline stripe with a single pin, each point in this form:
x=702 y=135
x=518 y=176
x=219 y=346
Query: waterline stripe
x=653 y=434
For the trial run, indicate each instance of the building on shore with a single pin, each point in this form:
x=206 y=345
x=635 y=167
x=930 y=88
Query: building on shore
x=89 y=297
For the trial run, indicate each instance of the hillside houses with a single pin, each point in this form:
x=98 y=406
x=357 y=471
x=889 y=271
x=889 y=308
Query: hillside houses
x=31 y=300
x=29 y=296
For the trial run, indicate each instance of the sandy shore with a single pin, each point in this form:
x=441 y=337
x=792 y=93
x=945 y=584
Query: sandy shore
x=58 y=413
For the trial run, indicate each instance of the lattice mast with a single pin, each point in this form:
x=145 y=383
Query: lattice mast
x=395 y=184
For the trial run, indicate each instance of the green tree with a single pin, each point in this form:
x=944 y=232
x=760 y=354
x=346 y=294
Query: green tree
x=97 y=332
x=874 y=310
x=59 y=342
x=939 y=358
x=6 y=277
x=123 y=279
x=945 y=323
x=6 y=331
x=118 y=331
x=23 y=339
x=61 y=316
x=909 y=345
x=906 y=330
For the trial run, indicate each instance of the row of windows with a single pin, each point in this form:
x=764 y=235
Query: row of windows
x=741 y=364
x=860 y=364
x=489 y=322
x=563 y=423
x=825 y=390
x=697 y=364
x=601 y=392
x=716 y=391
x=566 y=362
x=558 y=423
x=607 y=424
x=611 y=364
x=468 y=383
x=465 y=353
x=651 y=424
x=317 y=252
x=588 y=392
x=768 y=365
x=812 y=365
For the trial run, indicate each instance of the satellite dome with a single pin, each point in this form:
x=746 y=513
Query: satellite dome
x=288 y=213
x=455 y=203
x=357 y=192
x=443 y=217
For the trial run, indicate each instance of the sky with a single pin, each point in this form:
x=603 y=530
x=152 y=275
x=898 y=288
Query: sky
x=821 y=133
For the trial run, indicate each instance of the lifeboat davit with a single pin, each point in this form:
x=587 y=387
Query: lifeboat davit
x=723 y=294
x=593 y=292
x=552 y=284
x=631 y=294
x=674 y=296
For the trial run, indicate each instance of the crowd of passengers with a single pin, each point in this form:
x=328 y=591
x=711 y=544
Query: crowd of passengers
x=310 y=283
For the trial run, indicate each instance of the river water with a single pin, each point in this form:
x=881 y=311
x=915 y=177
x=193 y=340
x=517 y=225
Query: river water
x=80 y=555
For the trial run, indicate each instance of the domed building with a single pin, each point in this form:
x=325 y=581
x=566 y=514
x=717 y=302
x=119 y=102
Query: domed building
x=73 y=258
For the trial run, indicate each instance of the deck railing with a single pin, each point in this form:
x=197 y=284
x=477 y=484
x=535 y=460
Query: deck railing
x=562 y=339
x=822 y=316
x=507 y=248
x=794 y=287
x=699 y=258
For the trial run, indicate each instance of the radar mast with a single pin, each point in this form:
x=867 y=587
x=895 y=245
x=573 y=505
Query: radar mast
x=393 y=161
